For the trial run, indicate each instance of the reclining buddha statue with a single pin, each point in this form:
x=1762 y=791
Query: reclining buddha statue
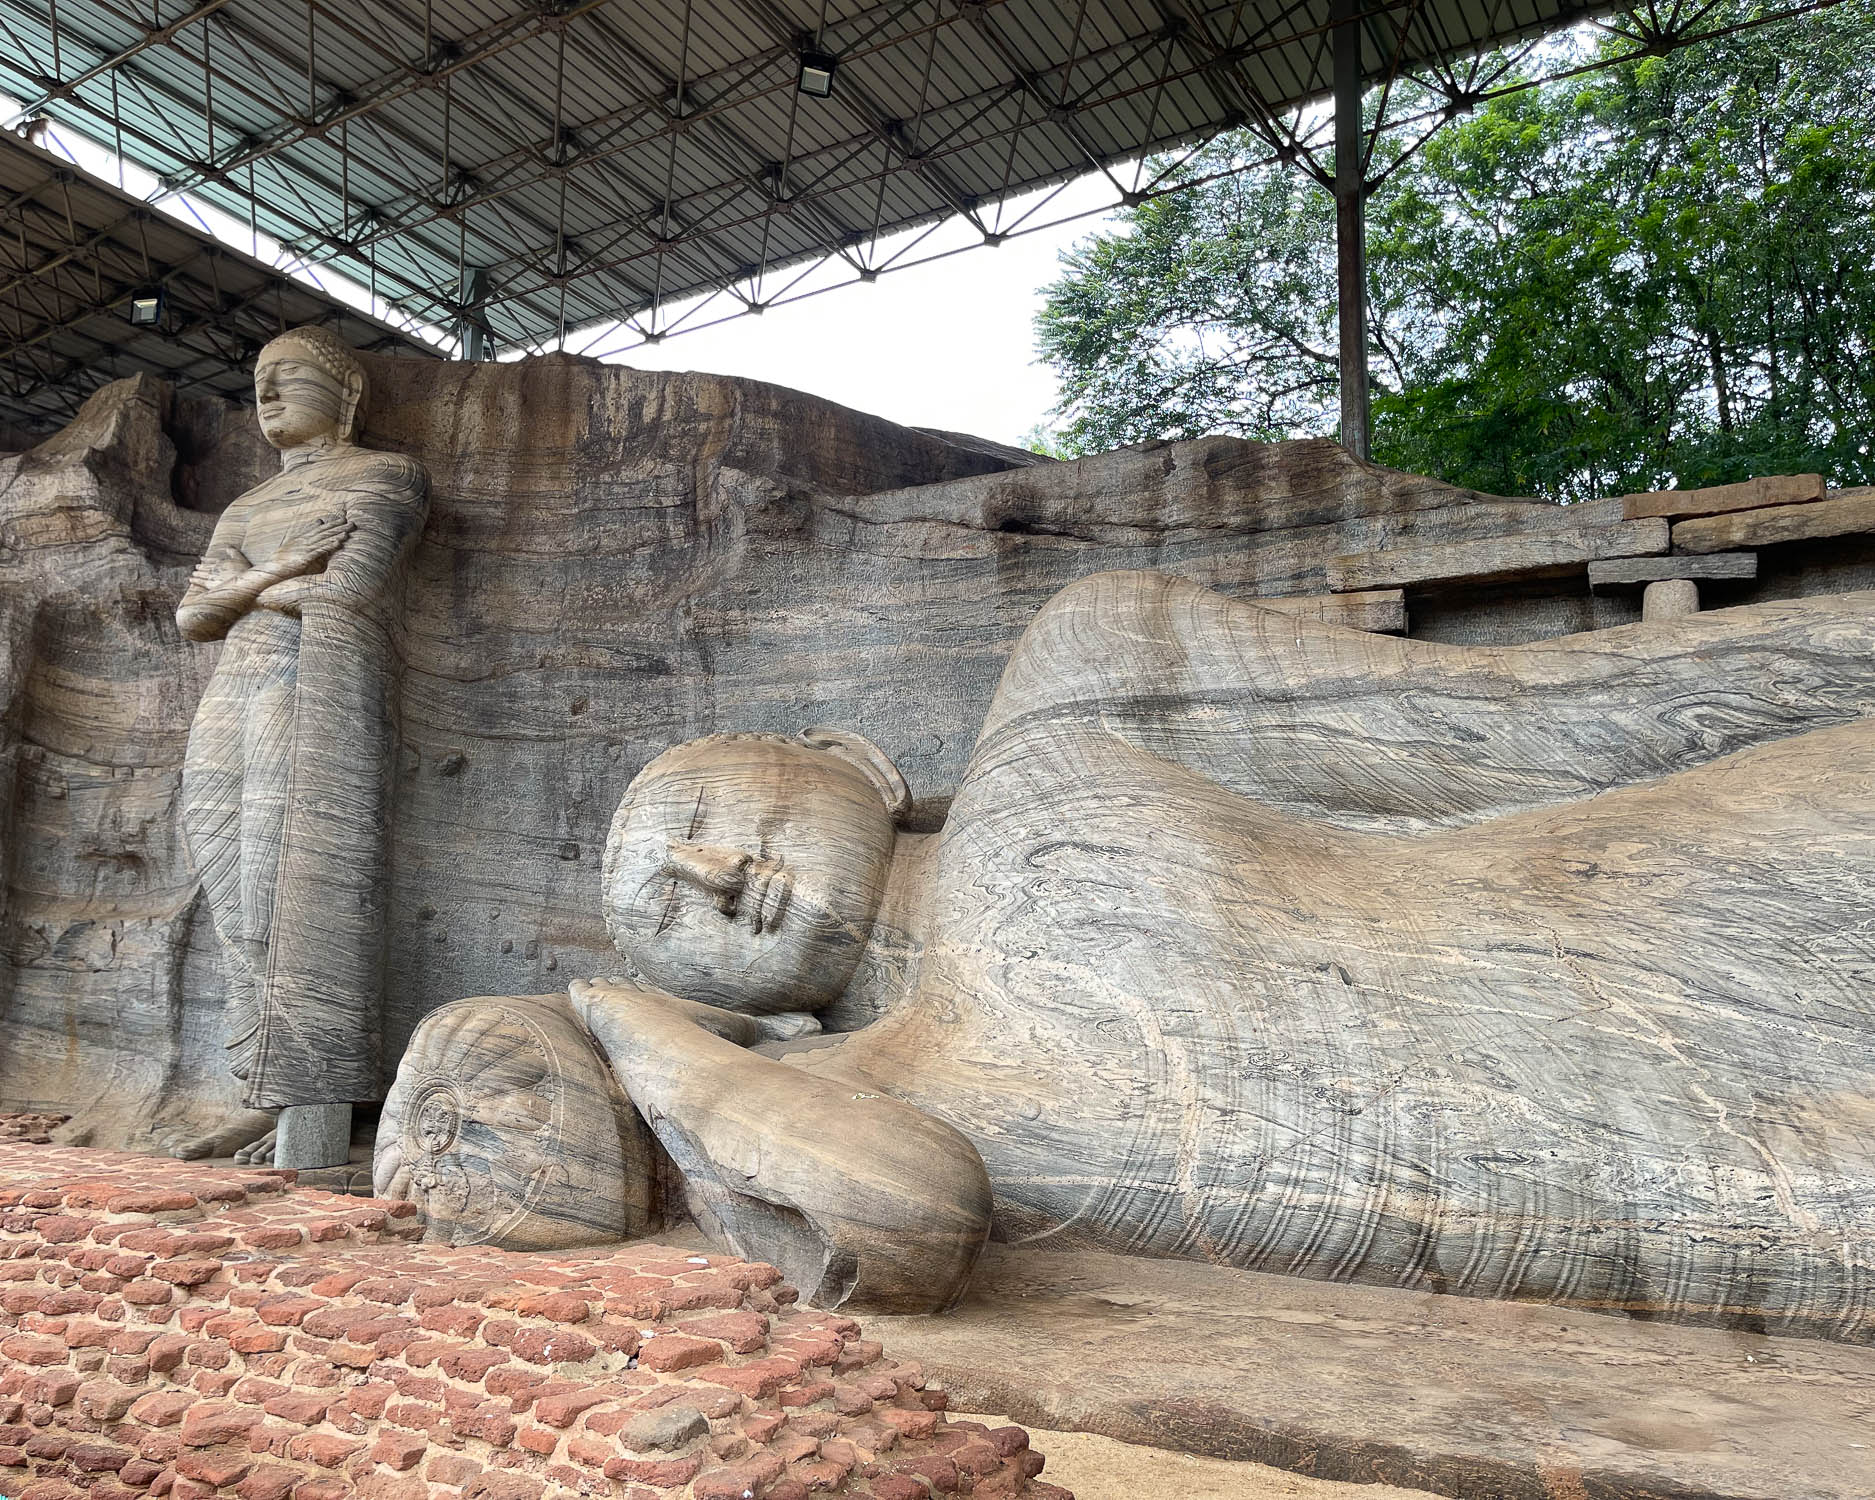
x=1540 y=972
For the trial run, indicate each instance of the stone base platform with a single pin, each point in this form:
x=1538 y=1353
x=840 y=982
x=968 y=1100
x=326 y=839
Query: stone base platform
x=218 y=1333
x=1488 y=1401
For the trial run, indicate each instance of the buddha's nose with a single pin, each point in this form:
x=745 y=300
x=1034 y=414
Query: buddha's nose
x=710 y=867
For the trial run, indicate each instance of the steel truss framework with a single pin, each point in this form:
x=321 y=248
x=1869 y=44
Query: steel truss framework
x=73 y=251
x=520 y=173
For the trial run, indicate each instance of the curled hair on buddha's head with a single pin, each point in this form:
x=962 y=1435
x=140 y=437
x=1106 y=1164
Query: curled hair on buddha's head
x=319 y=346
x=850 y=746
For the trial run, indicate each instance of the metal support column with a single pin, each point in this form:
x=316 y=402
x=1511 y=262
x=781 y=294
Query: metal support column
x=1351 y=225
x=472 y=332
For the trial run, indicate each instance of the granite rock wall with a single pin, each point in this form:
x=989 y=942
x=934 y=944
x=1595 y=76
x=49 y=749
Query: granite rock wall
x=615 y=561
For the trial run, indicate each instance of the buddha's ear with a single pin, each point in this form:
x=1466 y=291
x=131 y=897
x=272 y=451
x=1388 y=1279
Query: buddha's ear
x=351 y=405
x=872 y=762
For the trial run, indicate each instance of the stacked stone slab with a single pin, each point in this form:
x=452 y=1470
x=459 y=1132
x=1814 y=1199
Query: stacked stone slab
x=35 y=1130
x=1663 y=543
x=208 y=1332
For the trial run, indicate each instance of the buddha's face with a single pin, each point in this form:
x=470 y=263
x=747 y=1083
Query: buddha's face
x=746 y=873
x=297 y=401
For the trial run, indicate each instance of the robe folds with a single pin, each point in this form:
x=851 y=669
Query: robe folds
x=286 y=791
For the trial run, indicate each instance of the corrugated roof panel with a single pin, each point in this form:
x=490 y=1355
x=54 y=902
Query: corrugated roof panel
x=88 y=248
x=424 y=134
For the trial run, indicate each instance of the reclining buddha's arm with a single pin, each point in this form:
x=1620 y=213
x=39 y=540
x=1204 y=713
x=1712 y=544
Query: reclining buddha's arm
x=858 y=1197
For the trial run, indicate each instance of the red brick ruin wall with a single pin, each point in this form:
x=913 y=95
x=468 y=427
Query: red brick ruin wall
x=187 y=1331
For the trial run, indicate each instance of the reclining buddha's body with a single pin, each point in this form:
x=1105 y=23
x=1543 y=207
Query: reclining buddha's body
x=1532 y=972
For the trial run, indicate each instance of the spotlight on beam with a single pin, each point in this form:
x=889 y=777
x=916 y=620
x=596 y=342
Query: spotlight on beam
x=817 y=70
x=146 y=308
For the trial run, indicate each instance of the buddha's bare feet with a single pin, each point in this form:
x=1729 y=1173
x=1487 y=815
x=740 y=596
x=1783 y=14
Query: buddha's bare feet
x=245 y=1130
x=258 y=1153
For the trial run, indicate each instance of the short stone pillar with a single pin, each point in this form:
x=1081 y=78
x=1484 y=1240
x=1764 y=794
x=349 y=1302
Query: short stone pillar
x=313 y=1135
x=1669 y=599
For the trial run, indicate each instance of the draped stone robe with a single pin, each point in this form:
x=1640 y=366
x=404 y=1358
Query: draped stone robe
x=1542 y=972
x=286 y=783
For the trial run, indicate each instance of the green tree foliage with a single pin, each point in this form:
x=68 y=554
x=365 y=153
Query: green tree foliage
x=1655 y=274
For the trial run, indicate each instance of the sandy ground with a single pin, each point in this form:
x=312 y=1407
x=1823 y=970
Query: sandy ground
x=1101 y=1468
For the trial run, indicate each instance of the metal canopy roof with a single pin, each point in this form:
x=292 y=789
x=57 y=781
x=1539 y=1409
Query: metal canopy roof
x=73 y=251
x=606 y=159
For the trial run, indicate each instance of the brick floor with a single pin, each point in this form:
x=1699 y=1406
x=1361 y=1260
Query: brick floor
x=191 y=1331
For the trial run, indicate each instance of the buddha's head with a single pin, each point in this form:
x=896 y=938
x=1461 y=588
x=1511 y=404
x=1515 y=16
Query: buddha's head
x=745 y=870
x=309 y=387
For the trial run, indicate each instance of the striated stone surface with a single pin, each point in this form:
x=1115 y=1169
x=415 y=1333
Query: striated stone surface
x=1291 y=948
x=102 y=930
x=614 y=562
x=1490 y=1401
x=198 y=1331
x=1850 y=513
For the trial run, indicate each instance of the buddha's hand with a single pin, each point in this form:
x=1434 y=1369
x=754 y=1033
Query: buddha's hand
x=588 y=991
x=603 y=995
x=216 y=569
x=286 y=596
x=306 y=551
x=600 y=1003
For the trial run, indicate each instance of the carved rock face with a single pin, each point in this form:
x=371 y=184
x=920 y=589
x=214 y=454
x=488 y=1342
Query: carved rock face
x=745 y=871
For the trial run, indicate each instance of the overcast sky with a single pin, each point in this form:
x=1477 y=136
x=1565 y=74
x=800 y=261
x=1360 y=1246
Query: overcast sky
x=950 y=344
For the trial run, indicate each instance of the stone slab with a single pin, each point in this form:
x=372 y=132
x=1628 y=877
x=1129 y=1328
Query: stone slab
x=1637 y=572
x=1380 y=610
x=1748 y=494
x=1496 y=557
x=1466 y=1398
x=351 y=1180
x=1853 y=512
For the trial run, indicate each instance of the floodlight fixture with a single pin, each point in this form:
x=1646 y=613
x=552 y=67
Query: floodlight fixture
x=817 y=70
x=146 y=308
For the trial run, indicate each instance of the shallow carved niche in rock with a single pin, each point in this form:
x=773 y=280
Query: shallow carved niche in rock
x=286 y=780
x=506 y=1128
x=1529 y=973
